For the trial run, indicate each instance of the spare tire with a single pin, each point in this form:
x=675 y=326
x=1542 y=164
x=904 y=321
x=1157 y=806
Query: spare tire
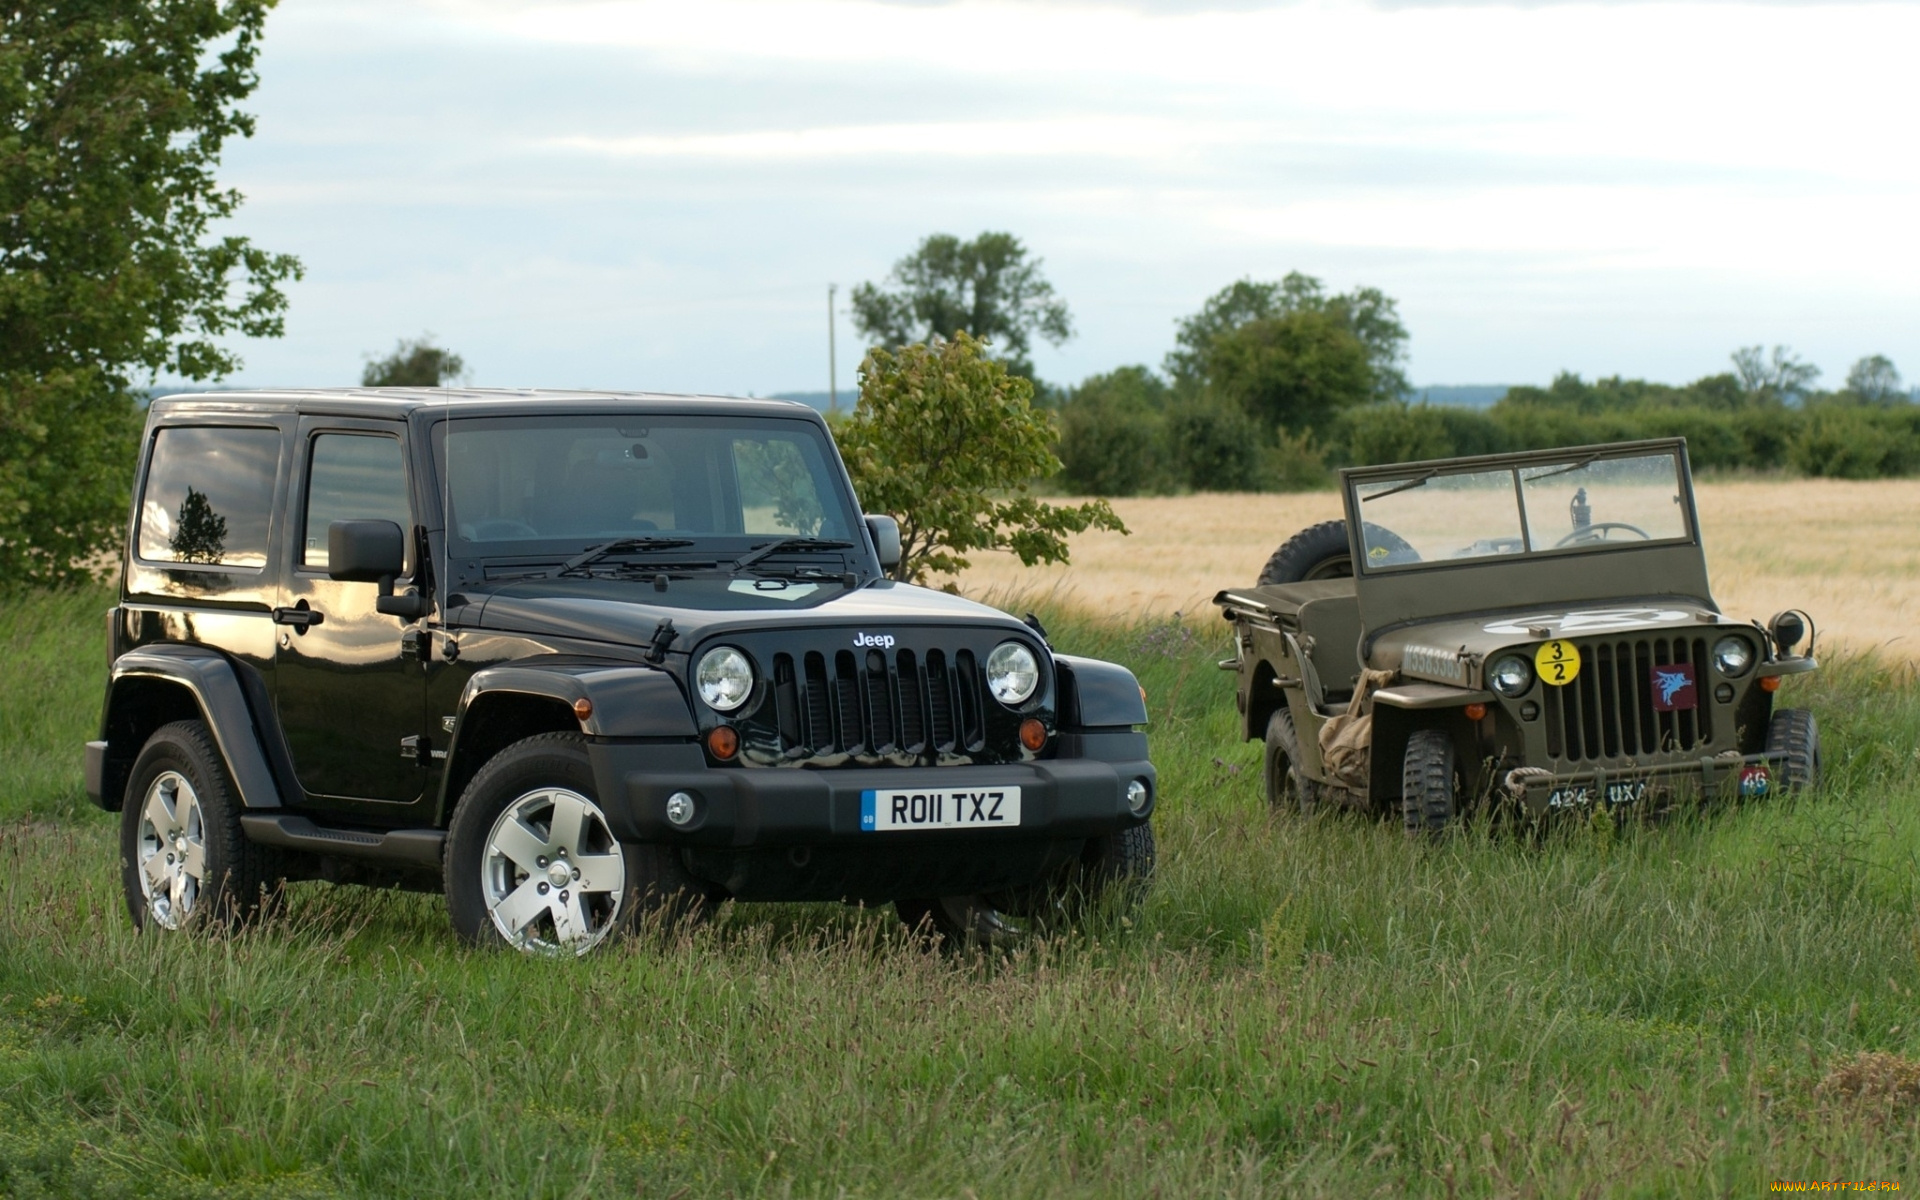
x=1321 y=552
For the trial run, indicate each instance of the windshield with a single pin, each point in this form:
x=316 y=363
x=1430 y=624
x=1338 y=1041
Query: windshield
x=541 y=485
x=1583 y=504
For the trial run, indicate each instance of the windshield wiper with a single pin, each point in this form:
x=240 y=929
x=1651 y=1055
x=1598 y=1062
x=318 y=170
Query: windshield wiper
x=621 y=546
x=785 y=544
x=1404 y=485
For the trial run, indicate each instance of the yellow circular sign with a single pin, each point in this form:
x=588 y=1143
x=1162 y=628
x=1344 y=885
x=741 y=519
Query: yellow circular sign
x=1558 y=662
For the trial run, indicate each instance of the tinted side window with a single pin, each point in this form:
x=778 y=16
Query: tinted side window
x=353 y=477
x=209 y=496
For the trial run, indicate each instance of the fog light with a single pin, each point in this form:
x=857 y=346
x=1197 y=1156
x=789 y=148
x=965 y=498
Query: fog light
x=1529 y=711
x=1138 y=794
x=722 y=741
x=1724 y=693
x=680 y=809
x=1787 y=629
x=1033 y=734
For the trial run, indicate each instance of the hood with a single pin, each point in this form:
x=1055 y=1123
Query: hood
x=626 y=612
x=1441 y=649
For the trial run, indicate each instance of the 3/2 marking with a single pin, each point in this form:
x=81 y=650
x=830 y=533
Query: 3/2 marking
x=1558 y=662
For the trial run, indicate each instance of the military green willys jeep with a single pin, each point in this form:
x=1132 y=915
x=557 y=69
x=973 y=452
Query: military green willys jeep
x=1533 y=629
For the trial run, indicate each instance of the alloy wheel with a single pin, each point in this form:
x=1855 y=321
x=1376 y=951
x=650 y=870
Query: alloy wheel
x=552 y=875
x=172 y=854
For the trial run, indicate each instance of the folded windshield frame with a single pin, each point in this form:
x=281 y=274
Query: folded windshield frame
x=1506 y=508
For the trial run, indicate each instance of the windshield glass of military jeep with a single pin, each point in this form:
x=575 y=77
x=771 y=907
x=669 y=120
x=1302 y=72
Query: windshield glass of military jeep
x=1604 y=501
x=1588 y=503
x=1431 y=516
x=532 y=485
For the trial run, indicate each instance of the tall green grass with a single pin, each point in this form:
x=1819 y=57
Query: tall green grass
x=1304 y=1007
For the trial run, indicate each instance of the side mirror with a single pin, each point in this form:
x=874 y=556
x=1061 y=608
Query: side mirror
x=885 y=532
x=372 y=552
x=366 y=552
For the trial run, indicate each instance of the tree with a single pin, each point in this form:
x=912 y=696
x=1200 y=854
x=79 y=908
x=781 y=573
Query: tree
x=115 y=116
x=948 y=441
x=1784 y=378
x=1873 y=380
x=1295 y=371
x=1367 y=313
x=986 y=287
x=416 y=363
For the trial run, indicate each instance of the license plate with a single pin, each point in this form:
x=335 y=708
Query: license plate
x=884 y=810
x=1580 y=796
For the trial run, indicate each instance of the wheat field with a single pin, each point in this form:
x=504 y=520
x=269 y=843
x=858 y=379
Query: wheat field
x=1846 y=552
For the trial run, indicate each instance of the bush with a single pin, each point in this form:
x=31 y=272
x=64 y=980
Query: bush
x=1217 y=447
x=1856 y=443
x=1113 y=435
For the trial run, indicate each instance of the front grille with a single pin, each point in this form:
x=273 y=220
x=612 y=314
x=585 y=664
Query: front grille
x=1607 y=711
x=870 y=703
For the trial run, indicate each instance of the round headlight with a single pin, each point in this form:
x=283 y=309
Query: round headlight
x=1511 y=676
x=1012 y=673
x=1732 y=655
x=724 y=678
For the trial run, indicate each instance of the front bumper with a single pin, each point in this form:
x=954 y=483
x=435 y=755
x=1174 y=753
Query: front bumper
x=1652 y=786
x=769 y=833
x=1080 y=793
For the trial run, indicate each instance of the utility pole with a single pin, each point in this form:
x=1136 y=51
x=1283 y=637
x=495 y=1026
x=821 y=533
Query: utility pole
x=833 y=367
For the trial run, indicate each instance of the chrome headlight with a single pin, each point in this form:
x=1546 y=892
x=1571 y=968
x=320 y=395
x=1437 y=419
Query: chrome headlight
x=1012 y=673
x=724 y=677
x=1510 y=676
x=1732 y=656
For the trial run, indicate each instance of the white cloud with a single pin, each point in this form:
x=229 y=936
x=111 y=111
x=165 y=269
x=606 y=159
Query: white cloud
x=1555 y=168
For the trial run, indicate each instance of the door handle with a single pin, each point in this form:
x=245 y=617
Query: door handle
x=299 y=616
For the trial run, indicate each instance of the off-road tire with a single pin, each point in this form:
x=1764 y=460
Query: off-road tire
x=1316 y=552
x=1114 y=872
x=1322 y=552
x=1793 y=735
x=238 y=876
x=1287 y=785
x=1429 y=783
x=659 y=890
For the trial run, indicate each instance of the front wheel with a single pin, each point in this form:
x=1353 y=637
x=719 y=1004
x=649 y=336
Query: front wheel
x=1114 y=872
x=1793 y=735
x=533 y=864
x=1429 y=783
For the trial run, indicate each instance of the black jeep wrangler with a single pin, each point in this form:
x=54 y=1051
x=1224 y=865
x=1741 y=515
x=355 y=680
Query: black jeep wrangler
x=574 y=658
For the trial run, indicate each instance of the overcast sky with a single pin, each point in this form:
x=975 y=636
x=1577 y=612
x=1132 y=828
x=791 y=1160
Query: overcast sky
x=656 y=195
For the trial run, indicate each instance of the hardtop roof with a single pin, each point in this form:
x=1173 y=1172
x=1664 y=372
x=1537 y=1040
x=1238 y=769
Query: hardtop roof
x=400 y=402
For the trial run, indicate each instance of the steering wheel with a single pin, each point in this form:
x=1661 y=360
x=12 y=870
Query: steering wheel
x=503 y=527
x=1597 y=532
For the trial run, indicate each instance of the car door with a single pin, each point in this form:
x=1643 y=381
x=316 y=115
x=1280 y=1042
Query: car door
x=351 y=693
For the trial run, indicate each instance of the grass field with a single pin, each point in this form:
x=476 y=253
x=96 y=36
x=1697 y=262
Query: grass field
x=1303 y=1008
x=1846 y=552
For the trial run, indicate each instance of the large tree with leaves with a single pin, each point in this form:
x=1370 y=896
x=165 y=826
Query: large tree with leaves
x=948 y=441
x=987 y=287
x=110 y=272
x=1370 y=315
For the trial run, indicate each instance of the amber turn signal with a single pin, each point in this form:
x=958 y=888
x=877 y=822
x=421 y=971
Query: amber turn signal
x=723 y=741
x=583 y=708
x=1033 y=734
x=1476 y=711
x=1769 y=683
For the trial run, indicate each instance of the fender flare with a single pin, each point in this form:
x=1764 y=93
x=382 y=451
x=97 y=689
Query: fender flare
x=216 y=689
x=628 y=700
x=1096 y=695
